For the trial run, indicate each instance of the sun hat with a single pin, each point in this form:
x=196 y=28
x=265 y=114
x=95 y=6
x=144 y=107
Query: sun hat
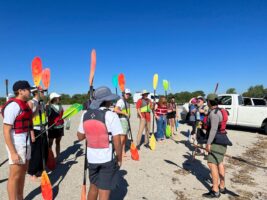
x=144 y=92
x=101 y=95
x=212 y=97
x=193 y=100
x=127 y=91
x=202 y=98
x=54 y=95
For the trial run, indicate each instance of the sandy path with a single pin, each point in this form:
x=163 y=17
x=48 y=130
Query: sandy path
x=160 y=174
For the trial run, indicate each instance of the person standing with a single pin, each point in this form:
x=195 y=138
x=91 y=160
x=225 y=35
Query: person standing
x=144 y=107
x=122 y=108
x=216 y=146
x=160 y=114
x=192 y=118
x=172 y=114
x=17 y=124
x=55 y=113
x=102 y=129
x=39 y=146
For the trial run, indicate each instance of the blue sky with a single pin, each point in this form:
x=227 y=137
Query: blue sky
x=192 y=43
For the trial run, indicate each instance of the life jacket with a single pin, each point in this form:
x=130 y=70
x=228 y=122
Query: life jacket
x=23 y=122
x=223 y=123
x=36 y=119
x=161 y=110
x=145 y=106
x=55 y=117
x=95 y=129
x=125 y=110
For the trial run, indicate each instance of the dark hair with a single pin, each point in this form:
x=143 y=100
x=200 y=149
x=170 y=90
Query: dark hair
x=106 y=104
x=16 y=93
x=214 y=102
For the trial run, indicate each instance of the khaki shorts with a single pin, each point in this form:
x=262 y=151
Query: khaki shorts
x=217 y=158
x=21 y=150
x=125 y=126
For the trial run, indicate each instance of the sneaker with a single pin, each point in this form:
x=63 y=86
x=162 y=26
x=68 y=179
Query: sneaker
x=223 y=190
x=147 y=146
x=211 y=194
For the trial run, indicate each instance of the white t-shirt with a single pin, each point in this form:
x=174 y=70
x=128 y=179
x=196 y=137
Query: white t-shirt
x=120 y=103
x=11 y=111
x=114 y=127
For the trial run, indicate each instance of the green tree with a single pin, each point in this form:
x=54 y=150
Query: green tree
x=231 y=91
x=255 y=91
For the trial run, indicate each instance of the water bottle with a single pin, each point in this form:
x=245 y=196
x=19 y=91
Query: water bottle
x=198 y=116
x=68 y=125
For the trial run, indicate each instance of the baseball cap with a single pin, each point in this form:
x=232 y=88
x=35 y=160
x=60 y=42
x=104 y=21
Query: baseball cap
x=212 y=97
x=54 y=95
x=21 y=85
x=127 y=91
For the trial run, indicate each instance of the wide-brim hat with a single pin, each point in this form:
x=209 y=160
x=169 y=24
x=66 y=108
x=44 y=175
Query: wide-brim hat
x=101 y=95
x=202 y=98
x=144 y=92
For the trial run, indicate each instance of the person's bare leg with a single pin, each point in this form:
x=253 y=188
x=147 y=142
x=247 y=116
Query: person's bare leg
x=123 y=143
x=21 y=181
x=104 y=194
x=15 y=172
x=222 y=175
x=58 y=146
x=215 y=176
x=93 y=192
x=172 y=126
x=140 y=131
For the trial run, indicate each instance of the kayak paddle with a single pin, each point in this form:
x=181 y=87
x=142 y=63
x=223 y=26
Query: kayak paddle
x=6 y=83
x=165 y=86
x=152 y=141
x=91 y=79
x=115 y=82
x=216 y=88
x=46 y=186
x=133 y=149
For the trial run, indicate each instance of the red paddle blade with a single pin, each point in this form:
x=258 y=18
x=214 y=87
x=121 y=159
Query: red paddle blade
x=121 y=81
x=134 y=152
x=83 y=195
x=37 y=70
x=46 y=78
x=93 y=65
x=46 y=187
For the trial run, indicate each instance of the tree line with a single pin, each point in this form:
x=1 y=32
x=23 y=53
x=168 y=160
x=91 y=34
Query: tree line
x=257 y=91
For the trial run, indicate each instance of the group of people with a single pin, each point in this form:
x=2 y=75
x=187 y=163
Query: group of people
x=105 y=132
x=27 y=143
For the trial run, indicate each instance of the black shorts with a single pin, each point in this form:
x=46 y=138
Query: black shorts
x=171 y=115
x=55 y=133
x=105 y=176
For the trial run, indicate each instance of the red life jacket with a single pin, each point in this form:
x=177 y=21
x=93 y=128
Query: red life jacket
x=55 y=117
x=23 y=122
x=223 y=123
x=95 y=129
x=161 y=110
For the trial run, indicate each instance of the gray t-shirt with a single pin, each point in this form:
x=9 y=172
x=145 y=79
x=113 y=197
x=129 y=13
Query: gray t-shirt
x=215 y=119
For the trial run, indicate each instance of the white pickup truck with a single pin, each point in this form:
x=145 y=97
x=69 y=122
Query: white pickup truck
x=241 y=114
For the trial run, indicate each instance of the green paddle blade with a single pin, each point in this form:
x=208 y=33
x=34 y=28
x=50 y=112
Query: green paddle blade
x=165 y=85
x=72 y=110
x=115 y=81
x=168 y=131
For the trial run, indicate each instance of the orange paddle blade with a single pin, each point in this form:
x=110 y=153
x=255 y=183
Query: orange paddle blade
x=83 y=195
x=121 y=81
x=46 y=78
x=134 y=152
x=93 y=65
x=46 y=187
x=37 y=70
x=51 y=162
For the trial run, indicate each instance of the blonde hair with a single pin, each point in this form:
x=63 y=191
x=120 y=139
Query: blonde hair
x=162 y=101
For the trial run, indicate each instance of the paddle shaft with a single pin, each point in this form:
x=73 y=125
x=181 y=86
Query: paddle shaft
x=130 y=129
x=6 y=83
x=153 y=124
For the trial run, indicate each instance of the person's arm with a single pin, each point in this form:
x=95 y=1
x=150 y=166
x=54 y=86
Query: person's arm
x=80 y=136
x=80 y=132
x=117 y=110
x=156 y=107
x=214 y=121
x=118 y=149
x=138 y=108
x=7 y=135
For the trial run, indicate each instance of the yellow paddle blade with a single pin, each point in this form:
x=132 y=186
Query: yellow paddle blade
x=152 y=142
x=165 y=85
x=155 y=81
x=46 y=187
x=168 y=131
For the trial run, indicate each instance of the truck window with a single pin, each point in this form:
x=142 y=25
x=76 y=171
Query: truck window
x=225 y=100
x=259 y=102
x=247 y=102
